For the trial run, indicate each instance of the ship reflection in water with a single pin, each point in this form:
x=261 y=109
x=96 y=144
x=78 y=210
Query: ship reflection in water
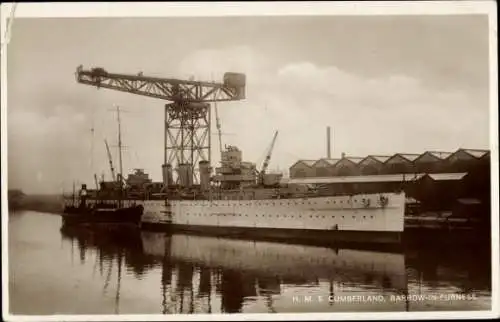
x=214 y=275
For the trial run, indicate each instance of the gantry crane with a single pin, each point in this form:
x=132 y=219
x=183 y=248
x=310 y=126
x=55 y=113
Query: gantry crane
x=187 y=117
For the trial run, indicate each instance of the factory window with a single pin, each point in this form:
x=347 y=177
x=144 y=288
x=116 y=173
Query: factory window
x=353 y=217
x=310 y=216
x=343 y=217
x=371 y=217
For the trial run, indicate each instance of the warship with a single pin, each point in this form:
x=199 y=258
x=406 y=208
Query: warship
x=237 y=200
x=241 y=201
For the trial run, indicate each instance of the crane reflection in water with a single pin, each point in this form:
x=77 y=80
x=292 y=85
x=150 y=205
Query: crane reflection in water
x=214 y=275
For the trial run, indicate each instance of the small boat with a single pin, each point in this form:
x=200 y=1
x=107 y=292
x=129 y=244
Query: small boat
x=102 y=205
x=82 y=212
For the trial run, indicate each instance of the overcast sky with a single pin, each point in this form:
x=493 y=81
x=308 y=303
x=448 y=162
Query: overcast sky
x=384 y=84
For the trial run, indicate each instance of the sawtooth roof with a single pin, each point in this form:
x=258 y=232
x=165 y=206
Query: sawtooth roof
x=475 y=152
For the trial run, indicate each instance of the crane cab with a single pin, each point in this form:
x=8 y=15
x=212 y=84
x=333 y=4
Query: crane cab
x=236 y=81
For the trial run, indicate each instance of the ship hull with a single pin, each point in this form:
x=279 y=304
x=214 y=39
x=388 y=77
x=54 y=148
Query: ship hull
x=127 y=216
x=284 y=235
x=363 y=219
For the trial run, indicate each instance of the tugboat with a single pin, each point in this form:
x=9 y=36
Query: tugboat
x=107 y=205
x=103 y=211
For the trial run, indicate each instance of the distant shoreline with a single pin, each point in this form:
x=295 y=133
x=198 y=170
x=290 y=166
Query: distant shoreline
x=19 y=201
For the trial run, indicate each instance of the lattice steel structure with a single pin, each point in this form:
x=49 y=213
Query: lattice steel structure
x=187 y=118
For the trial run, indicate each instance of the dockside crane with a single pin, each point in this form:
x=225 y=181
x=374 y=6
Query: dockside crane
x=265 y=164
x=110 y=160
x=187 y=118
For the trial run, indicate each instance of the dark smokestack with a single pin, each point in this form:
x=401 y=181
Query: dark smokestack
x=328 y=143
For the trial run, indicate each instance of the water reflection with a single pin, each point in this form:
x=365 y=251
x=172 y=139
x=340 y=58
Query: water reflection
x=211 y=275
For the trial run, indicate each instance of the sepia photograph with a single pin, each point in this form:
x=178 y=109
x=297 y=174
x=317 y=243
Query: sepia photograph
x=249 y=161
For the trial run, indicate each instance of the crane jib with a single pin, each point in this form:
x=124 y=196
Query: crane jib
x=232 y=88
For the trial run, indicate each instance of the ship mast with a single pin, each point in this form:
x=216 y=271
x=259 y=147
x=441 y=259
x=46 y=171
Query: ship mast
x=217 y=122
x=120 y=143
x=120 y=175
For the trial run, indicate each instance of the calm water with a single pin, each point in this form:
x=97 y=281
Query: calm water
x=78 y=271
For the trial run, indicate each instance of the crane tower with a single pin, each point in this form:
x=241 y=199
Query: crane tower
x=187 y=115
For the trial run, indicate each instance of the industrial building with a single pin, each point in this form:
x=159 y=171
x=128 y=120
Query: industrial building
x=399 y=163
x=436 y=180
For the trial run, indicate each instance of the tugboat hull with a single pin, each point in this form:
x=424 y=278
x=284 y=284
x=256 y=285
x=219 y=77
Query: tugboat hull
x=129 y=215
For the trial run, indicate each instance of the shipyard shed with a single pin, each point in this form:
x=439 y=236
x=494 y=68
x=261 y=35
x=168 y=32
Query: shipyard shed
x=427 y=162
x=302 y=168
x=464 y=159
x=477 y=183
x=400 y=163
x=347 y=166
x=325 y=167
x=372 y=164
x=431 y=161
x=437 y=191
